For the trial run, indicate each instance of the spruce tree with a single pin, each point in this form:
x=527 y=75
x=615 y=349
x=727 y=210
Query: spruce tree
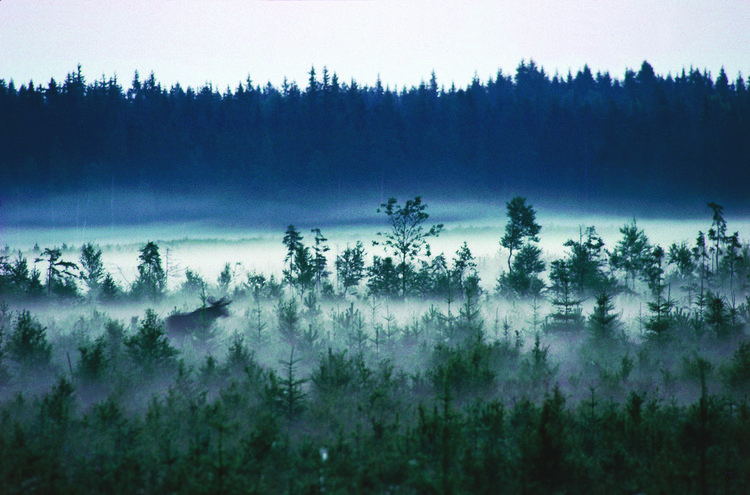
x=319 y=259
x=350 y=266
x=152 y=279
x=603 y=322
x=661 y=307
x=92 y=267
x=28 y=343
x=289 y=394
x=631 y=252
x=568 y=313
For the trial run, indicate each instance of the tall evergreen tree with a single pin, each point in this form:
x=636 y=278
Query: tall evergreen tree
x=631 y=252
x=350 y=266
x=700 y=255
x=293 y=242
x=521 y=235
x=568 y=312
x=521 y=227
x=464 y=270
x=319 y=258
x=92 y=267
x=603 y=322
x=152 y=280
x=586 y=262
x=661 y=307
x=60 y=273
x=717 y=233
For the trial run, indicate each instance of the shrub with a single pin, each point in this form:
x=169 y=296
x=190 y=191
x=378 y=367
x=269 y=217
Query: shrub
x=149 y=347
x=94 y=360
x=737 y=373
x=465 y=370
x=28 y=343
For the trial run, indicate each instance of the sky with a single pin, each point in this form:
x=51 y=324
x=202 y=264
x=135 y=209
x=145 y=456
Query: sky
x=222 y=42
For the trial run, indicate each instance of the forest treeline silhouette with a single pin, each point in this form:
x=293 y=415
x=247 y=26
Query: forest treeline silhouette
x=584 y=135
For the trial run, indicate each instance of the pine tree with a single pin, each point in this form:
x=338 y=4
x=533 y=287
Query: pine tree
x=59 y=272
x=350 y=266
x=149 y=346
x=383 y=277
x=603 y=322
x=717 y=233
x=718 y=316
x=28 y=343
x=732 y=258
x=319 y=259
x=568 y=312
x=521 y=230
x=152 y=280
x=288 y=393
x=682 y=258
x=700 y=255
x=585 y=263
x=293 y=242
x=109 y=291
x=288 y=320
x=408 y=236
x=225 y=278
x=464 y=270
x=631 y=252
x=661 y=307
x=92 y=267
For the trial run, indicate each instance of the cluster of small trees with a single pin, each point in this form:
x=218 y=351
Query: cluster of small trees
x=706 y=279
x=477 y=413
x=60 y=276
x=712 y=274
x=372 y=403
x=63 y=278
x=401 y=273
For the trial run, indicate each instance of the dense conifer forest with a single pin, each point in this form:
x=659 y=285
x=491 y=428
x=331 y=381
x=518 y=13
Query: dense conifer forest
x=611 y=369
x=671 y=139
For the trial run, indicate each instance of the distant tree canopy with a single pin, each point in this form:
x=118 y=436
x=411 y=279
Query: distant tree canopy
x=587 y=134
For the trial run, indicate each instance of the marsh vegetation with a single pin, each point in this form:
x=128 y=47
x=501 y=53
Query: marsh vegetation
x=609 y=369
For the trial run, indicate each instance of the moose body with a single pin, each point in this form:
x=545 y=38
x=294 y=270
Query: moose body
x=201 y=318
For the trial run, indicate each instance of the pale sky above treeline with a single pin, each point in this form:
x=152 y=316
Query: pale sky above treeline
x=223 y=41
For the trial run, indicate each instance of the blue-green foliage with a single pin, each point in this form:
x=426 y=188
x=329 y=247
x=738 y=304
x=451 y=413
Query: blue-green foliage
x=149 y=346
x=28 y=343
x=152 y=279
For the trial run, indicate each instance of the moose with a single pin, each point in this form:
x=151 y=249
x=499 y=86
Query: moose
x=200 y=319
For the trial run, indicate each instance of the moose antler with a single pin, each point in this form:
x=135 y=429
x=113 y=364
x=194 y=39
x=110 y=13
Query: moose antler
x=224 y=301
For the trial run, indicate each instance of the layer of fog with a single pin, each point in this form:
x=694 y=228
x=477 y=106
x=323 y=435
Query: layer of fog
x=205 y=246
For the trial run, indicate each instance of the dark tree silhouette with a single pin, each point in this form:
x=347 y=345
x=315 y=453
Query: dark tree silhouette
x=152 y=280
x=92 y=267
x=350 y=266
x=568 y=313
x=521 y=235
x=631 y=252
x=589 y=134
x=319 y=259
x=408 y=235
x=59 y=272
x=661 y=307
x=521 y=228
x=603 y=322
